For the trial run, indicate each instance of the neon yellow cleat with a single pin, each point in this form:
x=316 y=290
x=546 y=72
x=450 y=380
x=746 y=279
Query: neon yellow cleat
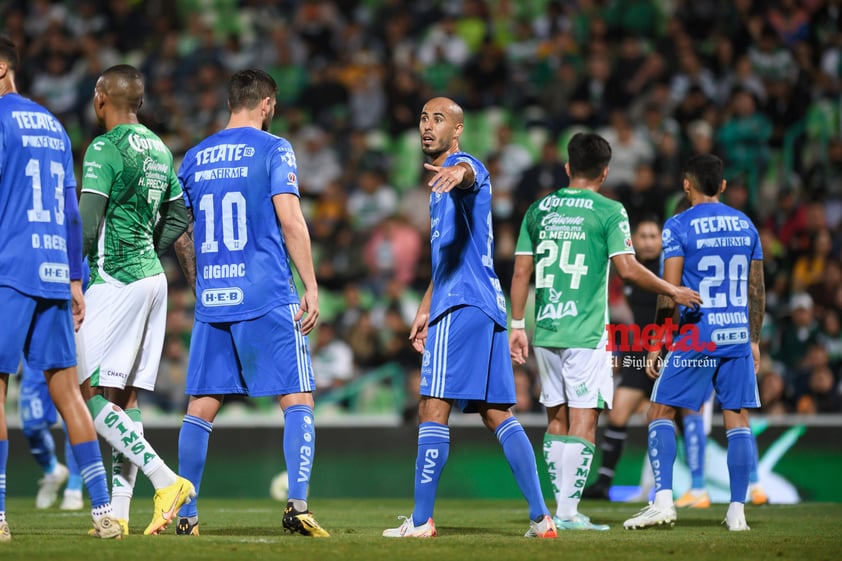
x=167 y=501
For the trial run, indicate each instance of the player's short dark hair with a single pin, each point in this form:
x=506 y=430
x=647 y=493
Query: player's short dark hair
x=248 y=87
x=126 y=85
x=9 y=52
x=704 y=171
x=588 y=155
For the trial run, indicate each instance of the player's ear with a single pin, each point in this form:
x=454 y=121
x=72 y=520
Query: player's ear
x=4 y=68
x=722 y=187
x=567 y=168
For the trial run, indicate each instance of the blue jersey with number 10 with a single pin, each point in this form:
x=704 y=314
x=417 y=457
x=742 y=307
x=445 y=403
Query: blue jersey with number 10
x=36 y=174
x=242 y=264
x=718 y=244
x=463 y=247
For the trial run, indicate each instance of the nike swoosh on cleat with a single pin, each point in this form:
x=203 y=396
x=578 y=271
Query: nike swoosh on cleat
x=167 y=515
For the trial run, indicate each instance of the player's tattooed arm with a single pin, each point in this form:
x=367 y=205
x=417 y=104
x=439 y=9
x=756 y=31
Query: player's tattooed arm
x=186 y=252
x=756 y=299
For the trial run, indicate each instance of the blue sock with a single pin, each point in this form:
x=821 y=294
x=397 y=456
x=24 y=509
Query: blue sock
x=662 y=452
x=192 y=454
x=74 y=480
x=89 y=459
x=299 y=448
x=433 y=449
x=42 y=446
x=753 y=476
x=521 y=458
x=740 y=453
x=4 y=458
x=694 y=448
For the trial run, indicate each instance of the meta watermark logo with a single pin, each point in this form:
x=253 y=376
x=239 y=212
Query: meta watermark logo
x=652 y=337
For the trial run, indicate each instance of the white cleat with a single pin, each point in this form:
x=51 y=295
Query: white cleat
x=49 y=485
x=409 y=530
x=652 y=516
x=72 y=500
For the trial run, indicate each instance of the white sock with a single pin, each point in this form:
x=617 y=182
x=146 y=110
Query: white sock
x=122 y=434
x=553 y=450
x=574 y=462
x=663 y=498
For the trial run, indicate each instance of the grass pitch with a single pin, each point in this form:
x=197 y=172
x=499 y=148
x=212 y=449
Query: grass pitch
x=482 y=530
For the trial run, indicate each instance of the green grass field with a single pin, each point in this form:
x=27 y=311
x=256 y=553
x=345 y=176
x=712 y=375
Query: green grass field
x=487 y=530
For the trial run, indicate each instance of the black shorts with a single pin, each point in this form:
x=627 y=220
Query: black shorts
x=633 y=372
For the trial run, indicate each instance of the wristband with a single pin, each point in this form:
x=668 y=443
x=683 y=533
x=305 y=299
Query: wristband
x=518 y=323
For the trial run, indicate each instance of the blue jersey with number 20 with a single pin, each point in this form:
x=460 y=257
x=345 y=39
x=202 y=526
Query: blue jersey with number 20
x=718 y=244
x=242 y=264
x=463 y=247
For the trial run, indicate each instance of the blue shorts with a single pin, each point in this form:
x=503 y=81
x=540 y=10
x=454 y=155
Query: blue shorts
x=37 y=410
x=467 y=359
x=40 y=327
x=264 y=356
x=687 y=376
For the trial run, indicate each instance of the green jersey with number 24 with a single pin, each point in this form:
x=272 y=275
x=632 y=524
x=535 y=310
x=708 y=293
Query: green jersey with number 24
x=572 y=234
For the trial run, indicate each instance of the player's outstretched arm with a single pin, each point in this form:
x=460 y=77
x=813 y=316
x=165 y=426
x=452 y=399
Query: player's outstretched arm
x=630 y=270
x=460 y=176
x=522 y=276
x=297 y=236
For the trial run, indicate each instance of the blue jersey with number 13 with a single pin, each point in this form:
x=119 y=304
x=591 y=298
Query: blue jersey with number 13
x=36 y=174
x=718 y=244
x=242 y=264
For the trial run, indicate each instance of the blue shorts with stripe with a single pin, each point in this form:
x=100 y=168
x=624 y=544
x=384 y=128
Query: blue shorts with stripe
x=263 y=356
x=467 y=359
x=40 y=328
x=36 y=406
x=687 y=376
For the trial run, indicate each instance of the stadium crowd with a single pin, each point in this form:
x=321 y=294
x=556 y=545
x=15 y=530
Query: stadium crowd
x=758 y=83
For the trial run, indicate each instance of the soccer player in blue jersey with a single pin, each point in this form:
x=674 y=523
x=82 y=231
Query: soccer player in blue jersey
x=249 y=336
x=460 y=327
x=38 y=414
x=715 y=249
x=40 y=277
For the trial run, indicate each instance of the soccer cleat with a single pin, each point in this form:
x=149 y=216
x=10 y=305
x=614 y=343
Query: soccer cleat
x=652 y=516
x=694 y=499
x=758 y=496
x=736 y=523
x=579 y=522
x=302 y=523
x=185 y=528
x=5 y=534
x=543 y=529
x=107 y=527
x=409 y=530
x=597 y=491
x=72 y=500
x=124 y=526
x=49 y=485
x=167 y=501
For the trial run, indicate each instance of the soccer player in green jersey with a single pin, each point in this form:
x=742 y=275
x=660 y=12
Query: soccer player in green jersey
x=128 y=181
x=570 y=238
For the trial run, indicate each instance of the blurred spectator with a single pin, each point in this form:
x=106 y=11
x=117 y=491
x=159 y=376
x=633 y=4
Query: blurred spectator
x=542 y=178
x=772 y=388
x=372 y=201
x=318 y=163
x=629 y=151
x=822 y=395
x=797 y=336
x=392 y=251
x=333 y=359
x=824 y=181
x=808 y=269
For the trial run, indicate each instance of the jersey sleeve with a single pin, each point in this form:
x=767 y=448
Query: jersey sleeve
x=283 y=169
x=757 y=250
x=524 y=244
x=174 y=190
x=672 y=239
x=99 y=167
x=618 y=232
x=183 y=175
